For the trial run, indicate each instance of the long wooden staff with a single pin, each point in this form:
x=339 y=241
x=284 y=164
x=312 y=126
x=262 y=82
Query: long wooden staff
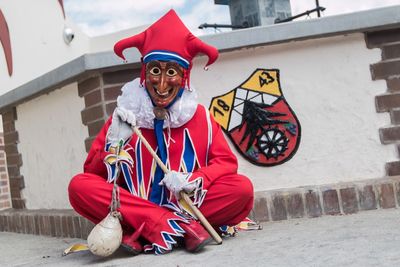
x=195 y=210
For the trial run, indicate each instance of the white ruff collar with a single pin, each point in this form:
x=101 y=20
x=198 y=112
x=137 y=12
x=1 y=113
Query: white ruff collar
x=135 y=98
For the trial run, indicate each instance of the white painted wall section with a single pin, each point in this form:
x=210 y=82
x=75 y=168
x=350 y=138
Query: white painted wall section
x=328 y=84
x=52 y=146
x=36 y=32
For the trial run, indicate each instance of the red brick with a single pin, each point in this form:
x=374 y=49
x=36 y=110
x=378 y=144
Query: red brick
x=93 y=98
x=313 y=205
x=278 y=209
x=11 y=223
x=11 y=138
x=391 y=51
x=10 y=115
x=77 y=227
x=397 y=192
x=395 y=116
x=120 y=76
x=89 y=227
x=17 y=182
x=83 y=228
x=24 y=223
x=392 y=168
x=52 y=225
x=70 y=223
x=380 y=38
x=385 y=69
x=2 y=223
x=58 y=225
x=295 y=205
x=88 y=143
x=393 y=84
x=349 y=200
x=88 y=85
x=37 y=224
x=5 y=205
x=331 y=202
x=386 y=102
x=18 y=203
x=5 y=190
x=110 y=108
x=31 y=224
x=14 y=159
x=386 y=197
x=261 y=209
x=111 y=93
x=389 y=135
x=13 y=172
x=9 y=127
x=17 y=221
x=92 y=114
x=95 y=127
x=64 y=225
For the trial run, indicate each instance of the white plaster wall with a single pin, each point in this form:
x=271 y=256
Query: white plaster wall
x=36 y=33
x=51 y=138
x=327 y=83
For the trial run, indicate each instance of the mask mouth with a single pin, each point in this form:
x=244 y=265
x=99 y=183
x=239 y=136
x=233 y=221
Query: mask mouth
x=164 y=95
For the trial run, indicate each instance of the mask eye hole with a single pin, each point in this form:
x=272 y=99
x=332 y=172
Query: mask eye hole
x=171 y=72
x=155 y=71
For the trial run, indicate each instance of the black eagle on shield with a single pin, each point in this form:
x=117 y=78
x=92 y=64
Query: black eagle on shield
x=258 y=120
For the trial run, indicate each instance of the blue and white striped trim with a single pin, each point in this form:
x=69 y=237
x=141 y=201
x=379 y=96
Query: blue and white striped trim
x=166 y=56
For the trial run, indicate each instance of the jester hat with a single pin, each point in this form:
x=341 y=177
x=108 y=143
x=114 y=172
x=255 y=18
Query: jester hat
x=167 y=39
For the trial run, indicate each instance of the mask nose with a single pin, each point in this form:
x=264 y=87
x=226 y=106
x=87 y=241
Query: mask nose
x=163 y=85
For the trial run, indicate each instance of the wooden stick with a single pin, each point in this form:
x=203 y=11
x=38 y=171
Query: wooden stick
x=185 y=197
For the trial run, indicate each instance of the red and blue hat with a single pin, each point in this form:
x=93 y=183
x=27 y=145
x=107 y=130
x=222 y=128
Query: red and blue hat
x=167 y=39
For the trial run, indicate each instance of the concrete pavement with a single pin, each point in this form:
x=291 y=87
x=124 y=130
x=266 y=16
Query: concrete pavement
x=364 y=239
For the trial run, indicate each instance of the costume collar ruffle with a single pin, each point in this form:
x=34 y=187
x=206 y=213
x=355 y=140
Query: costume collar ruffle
x=135 y=98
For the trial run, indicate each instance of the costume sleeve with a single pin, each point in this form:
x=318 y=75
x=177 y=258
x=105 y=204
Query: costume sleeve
x=220 y=159
x=95 y=160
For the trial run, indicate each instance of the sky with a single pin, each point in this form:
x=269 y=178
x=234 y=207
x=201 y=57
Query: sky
x=98 y=17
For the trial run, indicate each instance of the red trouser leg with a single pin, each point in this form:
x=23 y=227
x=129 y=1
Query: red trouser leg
x=228 y=201
x=90 y=196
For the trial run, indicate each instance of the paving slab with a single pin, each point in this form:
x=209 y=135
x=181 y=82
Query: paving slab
x=369 y=238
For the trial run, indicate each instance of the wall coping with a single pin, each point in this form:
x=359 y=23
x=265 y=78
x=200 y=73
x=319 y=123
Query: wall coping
x=357 y=22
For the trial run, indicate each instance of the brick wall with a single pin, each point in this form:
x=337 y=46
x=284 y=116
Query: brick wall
x=275 y=205
x=5 y=199
x=57 y=223
x=388 y=69
x=334 y=199
x=100 y=93
x=14 y=159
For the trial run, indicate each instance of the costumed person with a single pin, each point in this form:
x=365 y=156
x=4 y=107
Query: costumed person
x=187 y=139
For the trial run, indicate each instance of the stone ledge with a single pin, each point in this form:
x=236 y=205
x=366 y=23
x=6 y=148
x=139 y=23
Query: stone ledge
x=274 y=205
x=57 y=223
x=333 y=199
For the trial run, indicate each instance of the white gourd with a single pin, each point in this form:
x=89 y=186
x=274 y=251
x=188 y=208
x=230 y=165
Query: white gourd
x=106 y=236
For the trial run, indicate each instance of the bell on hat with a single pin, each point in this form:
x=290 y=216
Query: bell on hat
x=165 y=40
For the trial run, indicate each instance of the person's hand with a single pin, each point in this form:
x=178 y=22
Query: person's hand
x=176 y=182
x=121 y=126
x=125 y=115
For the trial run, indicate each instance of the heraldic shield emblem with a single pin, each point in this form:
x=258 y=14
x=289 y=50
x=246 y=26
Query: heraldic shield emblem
x=258 y=120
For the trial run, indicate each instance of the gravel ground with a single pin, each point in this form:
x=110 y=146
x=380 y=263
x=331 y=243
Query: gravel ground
x=365 y=239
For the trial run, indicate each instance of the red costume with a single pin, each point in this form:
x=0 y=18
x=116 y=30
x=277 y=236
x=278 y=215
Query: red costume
x=193 y=142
